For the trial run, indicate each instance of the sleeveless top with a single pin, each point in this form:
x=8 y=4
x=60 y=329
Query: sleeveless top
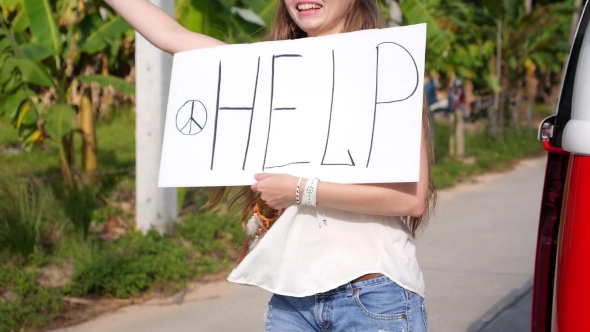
x=313 y=250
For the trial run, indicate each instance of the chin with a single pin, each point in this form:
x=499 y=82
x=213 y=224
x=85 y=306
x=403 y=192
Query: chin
x=312 y=30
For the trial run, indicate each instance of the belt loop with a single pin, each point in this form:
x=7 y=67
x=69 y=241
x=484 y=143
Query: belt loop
x=349 y=289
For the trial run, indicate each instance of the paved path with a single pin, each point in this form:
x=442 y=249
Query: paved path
x=477 y=256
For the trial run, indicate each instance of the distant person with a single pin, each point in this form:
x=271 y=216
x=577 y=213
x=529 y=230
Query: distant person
x=357 y=271
x=457 y=98
x=430 y=91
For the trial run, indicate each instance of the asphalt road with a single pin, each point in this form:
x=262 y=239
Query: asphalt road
x=477 y=255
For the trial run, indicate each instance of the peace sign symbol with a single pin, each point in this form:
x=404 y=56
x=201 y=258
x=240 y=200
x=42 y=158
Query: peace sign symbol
x=191 y=118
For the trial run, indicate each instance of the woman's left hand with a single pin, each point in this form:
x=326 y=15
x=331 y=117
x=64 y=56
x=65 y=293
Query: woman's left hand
x=277 y=190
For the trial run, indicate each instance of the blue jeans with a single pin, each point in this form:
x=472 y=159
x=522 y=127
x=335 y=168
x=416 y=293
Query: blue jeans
x=373 y=305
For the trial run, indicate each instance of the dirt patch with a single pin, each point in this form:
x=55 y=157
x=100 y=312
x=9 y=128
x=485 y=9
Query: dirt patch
x=56 y=276
x=7 y=296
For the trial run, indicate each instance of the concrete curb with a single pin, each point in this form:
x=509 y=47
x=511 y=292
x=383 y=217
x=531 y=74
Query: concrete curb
x=504 y=304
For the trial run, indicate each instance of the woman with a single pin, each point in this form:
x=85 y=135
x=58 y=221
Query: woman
x=358 y=270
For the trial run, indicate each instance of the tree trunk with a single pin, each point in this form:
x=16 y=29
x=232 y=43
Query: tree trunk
x=66 y=155
x=452 y=135
x=532 y=88
x=515 y=102
x=573 y=28
x=459 y=134
x=469 y=97
x=528 y=5
x=89 y=160
x=575 y=20
x=495 y=113
x=503 y=96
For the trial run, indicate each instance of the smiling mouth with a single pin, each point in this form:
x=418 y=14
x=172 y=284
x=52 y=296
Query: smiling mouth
x=308 y=6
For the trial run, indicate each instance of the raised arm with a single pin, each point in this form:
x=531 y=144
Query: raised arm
x=159 y=28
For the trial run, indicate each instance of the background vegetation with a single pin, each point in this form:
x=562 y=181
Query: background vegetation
x=68 y=246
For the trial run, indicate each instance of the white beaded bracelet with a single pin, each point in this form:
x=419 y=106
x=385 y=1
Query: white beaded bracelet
x=297 y=192
x=310 y=192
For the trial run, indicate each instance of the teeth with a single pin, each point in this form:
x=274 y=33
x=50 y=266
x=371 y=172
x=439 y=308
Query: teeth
x=308 y=6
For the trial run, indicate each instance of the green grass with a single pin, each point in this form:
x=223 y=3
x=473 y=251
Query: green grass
x=489 y=154
x=543 y=111
x=115 y=149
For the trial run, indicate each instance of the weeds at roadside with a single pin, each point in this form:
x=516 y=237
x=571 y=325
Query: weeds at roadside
x=23 y=304
x=487 y=154
x=21 y=220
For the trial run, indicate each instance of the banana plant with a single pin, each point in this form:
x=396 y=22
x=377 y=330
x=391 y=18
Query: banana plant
x=45 y=54
x=525 y=38
x=231 y=21
x=458 y=44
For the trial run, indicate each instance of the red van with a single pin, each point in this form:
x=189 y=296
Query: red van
x=561 y=290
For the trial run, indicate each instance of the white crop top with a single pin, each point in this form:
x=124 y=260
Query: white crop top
x=299 y=258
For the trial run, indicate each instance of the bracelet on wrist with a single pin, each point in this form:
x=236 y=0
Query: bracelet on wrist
x=297 y=189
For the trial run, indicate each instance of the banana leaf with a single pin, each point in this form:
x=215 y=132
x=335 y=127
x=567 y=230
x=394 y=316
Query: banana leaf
x=248 y=16
x=106 y=81
x=36 y=52
x=59 y=120
x=204 y=16
x=34 y=72
x=103 y=35
x=266 y=9
x=416 y=12
x=20 y=22
x=42 y=24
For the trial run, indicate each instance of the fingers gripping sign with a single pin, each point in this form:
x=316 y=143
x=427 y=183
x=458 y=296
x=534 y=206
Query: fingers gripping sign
x=275 y=189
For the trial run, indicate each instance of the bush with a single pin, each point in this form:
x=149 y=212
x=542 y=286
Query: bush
x=210 y=232
x=23 y=304
x=133 y=265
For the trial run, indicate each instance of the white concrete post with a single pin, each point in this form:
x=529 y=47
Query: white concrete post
x=395 y=13
x=155 y=206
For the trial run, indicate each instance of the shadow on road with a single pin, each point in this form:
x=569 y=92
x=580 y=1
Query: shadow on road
x=511 y=314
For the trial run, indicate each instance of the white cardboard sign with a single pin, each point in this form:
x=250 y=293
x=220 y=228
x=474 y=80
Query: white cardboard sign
x=344 y=108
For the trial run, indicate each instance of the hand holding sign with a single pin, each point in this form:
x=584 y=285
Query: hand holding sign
x=275 y=189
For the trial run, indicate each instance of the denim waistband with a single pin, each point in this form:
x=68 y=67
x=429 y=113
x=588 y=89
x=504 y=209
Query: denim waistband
x=349 y=287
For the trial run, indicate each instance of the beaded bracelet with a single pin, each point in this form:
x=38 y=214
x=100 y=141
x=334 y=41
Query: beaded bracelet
x=297 y=192
x=310 y=192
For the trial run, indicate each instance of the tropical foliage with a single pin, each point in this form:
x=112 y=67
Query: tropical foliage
x=228 y=20
x=497 y=45
x=55 y=56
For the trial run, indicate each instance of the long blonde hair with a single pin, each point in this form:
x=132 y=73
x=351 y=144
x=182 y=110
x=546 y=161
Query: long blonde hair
x=363 y=15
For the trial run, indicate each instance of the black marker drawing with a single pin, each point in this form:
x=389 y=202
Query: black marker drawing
x=191 y=118
x=249 y=108
x=295 y=163
x=272 y=86
x=377 y=102
x=216 y=117
x=251 y=115
x=351 y=162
